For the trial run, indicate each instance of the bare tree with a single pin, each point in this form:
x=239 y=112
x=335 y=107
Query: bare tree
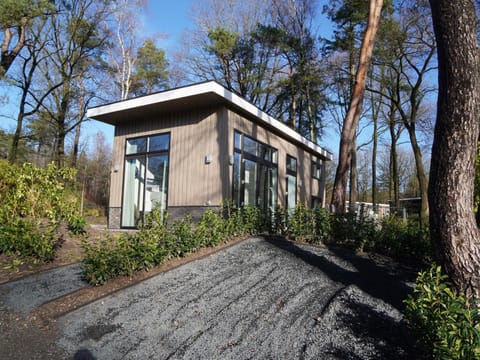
x=26 y=79
x=124 y=29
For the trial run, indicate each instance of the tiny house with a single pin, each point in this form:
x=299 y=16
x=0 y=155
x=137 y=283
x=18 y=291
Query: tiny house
x=188 y=149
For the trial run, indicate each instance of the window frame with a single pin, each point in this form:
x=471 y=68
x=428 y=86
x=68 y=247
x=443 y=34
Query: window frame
x=144 y=155
x=271 y=163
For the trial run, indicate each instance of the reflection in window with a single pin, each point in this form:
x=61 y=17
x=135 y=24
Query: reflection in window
x=249 y=145
x=291 y=198
x=291 y=164
x=136 y=146
x=159 y=143
x=317 y=169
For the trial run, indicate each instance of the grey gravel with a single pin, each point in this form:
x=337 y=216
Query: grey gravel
x=26 y=294
x=259 y=299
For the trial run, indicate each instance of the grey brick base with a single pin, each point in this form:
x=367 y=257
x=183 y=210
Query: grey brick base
x=179 y=212
x=114 y=217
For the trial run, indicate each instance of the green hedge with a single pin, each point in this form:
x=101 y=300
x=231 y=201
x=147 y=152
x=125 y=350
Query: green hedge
x=156 y=241
x=390 y=236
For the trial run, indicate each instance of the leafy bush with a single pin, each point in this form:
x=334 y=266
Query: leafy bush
x=211 y=229
x=232 y=220
x=77 y=225
x=33 y=192
x=356 y=232
x=103 y=260
x=446 y=324
x=250 y=220
x=183 y=239
x=33 y=202
x=405 y=241
x=323 y=228
x=28 y=238
x=280 y=221
x=119 y=255
x=301 y=224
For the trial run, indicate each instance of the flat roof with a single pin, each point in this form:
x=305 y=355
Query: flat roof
x=189 y=97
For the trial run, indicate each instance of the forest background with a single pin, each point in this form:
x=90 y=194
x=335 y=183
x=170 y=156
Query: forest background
x=296 y=60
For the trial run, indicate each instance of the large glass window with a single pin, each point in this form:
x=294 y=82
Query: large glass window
x=145 y=178
x=291 y=197
x=254 y=173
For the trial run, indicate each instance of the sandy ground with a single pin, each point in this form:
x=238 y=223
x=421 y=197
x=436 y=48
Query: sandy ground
x=258 y=299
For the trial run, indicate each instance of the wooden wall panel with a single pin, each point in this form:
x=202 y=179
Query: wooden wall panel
x=192 y=137
x=196 y=134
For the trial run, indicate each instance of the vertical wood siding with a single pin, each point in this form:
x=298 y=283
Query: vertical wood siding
x=193 y=135
x=196 y=134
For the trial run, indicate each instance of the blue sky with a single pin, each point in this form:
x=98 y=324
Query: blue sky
x=163 y=17
x=172 y=19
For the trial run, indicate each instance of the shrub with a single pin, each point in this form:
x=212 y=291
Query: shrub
x=77 y=225
x=33 y=201
x=28 y=238
x=232 y=220
x=301 y=223
x=445 y=324
x=182 y=240
x=404 y=241
x=250 y=220
x=355 y=232
x=280 y=221
x=211 y=229
x=102 y=260
x=322 y=225
x=119 y=255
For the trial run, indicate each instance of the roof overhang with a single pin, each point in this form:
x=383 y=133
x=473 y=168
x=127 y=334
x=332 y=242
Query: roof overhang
x=191 y=97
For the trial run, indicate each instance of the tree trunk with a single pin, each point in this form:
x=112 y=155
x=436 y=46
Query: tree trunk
x=375 y=103
x=8 y=56
x=352 y=118
x=12 y=155
x=374 y=161
x=78 y=127
x=394 y=178
x=353 y=178
x=452 y=220
x=421 y=175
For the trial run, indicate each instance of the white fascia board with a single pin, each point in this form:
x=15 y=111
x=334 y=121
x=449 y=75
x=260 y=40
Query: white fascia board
x=204 y=88
x=160 y=97
x=289 y=132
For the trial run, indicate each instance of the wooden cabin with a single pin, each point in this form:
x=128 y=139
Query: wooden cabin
x=186 y=150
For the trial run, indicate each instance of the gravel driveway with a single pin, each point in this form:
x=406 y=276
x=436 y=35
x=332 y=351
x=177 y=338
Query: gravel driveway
x=259 y=299
x=256 y=300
